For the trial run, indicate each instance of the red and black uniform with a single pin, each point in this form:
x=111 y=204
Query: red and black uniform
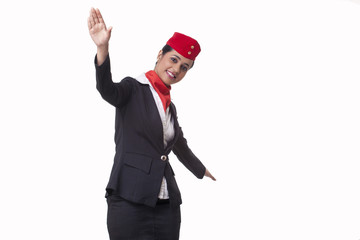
x=141 y=160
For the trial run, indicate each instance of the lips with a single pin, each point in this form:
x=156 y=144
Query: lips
x=170 y=74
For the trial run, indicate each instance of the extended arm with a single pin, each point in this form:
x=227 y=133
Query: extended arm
x=188 y=158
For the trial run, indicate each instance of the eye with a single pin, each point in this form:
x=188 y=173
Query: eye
x=174 y=60
x=184 y=68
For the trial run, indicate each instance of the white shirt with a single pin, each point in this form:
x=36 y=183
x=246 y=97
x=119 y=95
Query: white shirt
x=168 y=127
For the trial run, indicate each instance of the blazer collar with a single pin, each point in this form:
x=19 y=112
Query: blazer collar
x=143 y=79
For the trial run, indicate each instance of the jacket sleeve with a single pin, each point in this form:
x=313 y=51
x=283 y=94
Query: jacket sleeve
x=187 y=157
x=117 y=94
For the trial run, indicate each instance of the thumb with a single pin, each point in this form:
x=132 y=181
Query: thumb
x=109 y=30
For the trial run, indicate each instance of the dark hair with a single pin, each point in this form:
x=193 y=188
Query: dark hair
x=167 y=49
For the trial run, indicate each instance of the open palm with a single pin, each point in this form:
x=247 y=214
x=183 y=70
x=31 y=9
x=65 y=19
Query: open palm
x=97 y=28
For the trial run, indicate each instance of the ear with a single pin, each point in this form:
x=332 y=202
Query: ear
x=159 y=55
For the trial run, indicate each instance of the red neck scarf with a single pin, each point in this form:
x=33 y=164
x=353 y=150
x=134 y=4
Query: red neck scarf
x=160 y=88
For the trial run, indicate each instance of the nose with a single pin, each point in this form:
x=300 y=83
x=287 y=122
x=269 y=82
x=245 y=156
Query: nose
x=177 y=68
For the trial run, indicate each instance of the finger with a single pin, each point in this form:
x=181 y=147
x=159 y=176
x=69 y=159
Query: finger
x=91 y=18
x=91 y=22
x=211 y=176
x=93 y=14
x=101 y=20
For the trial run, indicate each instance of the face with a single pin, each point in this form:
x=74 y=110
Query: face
x=172 y=67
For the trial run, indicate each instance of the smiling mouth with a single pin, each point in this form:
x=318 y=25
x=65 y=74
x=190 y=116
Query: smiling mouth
x=171 y=75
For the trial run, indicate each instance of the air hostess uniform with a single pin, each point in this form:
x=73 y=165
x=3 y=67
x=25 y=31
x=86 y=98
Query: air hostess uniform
x=143 y=197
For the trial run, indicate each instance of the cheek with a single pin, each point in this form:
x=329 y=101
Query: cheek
x=160 y=66
x=181 y=77
x=183 y=74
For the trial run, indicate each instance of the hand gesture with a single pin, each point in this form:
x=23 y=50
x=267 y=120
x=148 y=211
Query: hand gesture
x=97 y=29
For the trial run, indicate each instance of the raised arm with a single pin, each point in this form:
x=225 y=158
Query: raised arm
x=99 y=34
x=116 y=94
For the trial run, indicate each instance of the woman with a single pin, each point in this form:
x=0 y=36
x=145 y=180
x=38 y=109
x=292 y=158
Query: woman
x=142 y=194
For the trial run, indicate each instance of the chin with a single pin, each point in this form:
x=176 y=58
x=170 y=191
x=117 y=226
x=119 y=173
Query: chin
x=168 y=83
x=166 y=80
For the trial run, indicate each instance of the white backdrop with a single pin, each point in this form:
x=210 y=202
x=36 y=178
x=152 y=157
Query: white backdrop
x=271 y=107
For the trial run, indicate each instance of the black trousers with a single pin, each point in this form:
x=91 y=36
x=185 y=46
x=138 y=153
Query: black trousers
x=131 y=221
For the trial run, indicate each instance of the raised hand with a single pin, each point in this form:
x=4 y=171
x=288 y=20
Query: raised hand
x=97 y=28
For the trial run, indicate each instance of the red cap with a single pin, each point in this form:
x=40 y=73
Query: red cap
x=185 y=45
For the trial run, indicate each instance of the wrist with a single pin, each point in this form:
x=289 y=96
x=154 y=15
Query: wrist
x=102 y=52
x=103 y=49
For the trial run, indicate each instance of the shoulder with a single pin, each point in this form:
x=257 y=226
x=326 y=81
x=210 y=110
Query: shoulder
x=138 y=81
x=134 y=82
x=134 y=85
x=142 y=79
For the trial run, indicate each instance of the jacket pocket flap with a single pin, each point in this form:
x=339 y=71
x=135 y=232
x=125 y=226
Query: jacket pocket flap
x=138 y=161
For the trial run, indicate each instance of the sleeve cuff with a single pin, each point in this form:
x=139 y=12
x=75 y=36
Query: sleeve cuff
x=106 y=62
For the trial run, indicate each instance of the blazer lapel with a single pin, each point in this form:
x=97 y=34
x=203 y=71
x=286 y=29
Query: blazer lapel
x=176 y=128
x=152 y=120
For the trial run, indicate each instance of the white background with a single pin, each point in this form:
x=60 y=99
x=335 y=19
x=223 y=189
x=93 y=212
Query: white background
x=271 y=107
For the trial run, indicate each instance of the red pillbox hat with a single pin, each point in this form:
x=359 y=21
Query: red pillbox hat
x=185 y=45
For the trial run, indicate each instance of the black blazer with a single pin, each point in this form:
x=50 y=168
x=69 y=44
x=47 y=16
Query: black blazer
x=141 y=160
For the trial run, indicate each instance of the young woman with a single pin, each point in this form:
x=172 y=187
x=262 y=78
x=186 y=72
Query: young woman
x=142 y=194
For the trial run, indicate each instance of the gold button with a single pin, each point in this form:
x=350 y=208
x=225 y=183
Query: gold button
x=192 y=47
x=163 y=158
x=189 y=52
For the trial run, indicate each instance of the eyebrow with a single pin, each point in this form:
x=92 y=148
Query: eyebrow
x=180 y=59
